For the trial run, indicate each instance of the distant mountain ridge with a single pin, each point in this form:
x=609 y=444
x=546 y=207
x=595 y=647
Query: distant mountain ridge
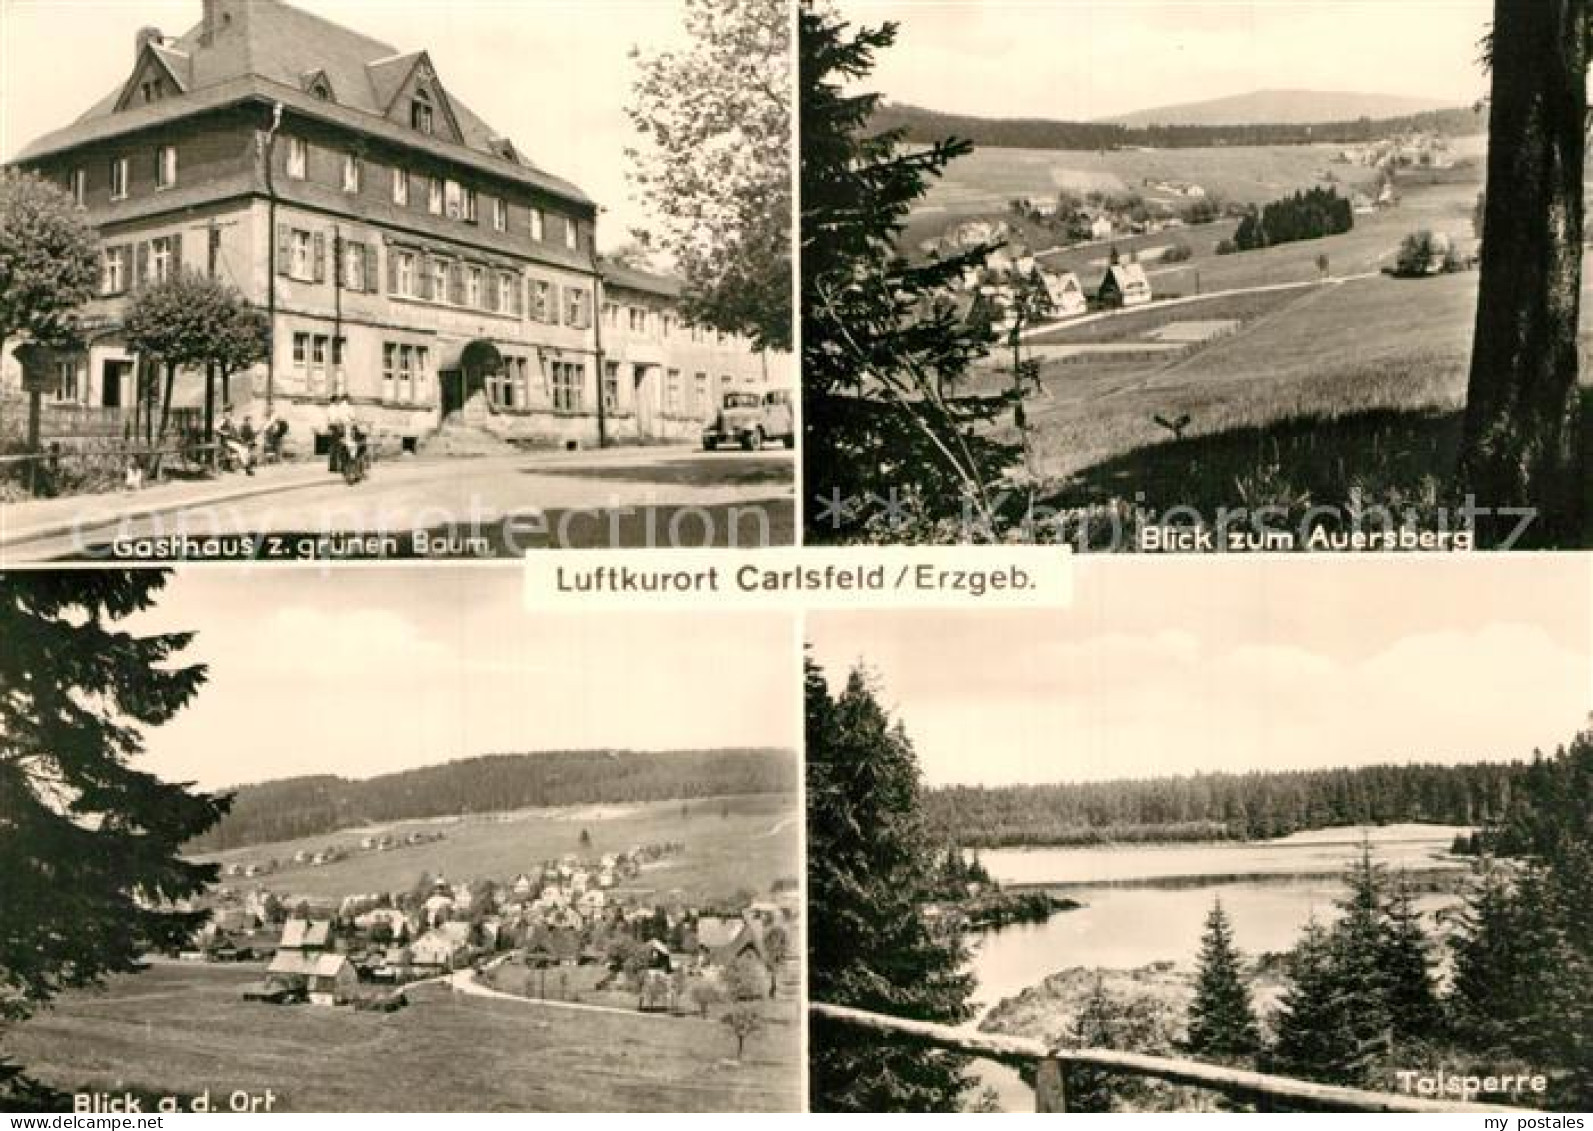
x=922 y=126
x=1282 y=107
x=310 y=806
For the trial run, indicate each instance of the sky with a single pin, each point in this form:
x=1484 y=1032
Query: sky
x=1177 y=666
x=360 y=671
x=555 y=75
x=1087 y=59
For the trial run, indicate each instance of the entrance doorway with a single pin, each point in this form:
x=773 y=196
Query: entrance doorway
x=452 y=384
x=111 y=376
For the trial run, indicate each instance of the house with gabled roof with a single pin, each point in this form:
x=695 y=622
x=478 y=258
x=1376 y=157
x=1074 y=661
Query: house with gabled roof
x=405 y=251
x=1125 y=284
x=332 y=980
x=306 y=935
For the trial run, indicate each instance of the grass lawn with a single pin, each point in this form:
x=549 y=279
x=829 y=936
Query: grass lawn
x=1350 y=390
x=580 y=984
x=185 y=1030
x=730 y=843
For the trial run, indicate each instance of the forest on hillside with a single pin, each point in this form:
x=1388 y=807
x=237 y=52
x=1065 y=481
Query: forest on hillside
x=1203 y=807
x=311 y=806
x=928 y=126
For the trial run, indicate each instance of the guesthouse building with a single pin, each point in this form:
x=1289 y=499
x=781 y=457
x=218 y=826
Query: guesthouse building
x=406 y=253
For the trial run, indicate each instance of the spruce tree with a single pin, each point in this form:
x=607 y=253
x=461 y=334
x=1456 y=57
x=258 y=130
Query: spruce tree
x=884 y=348
x=1484 y=1001
x=871 y=868
x=1310 y=1017
x=91 y=872
x=1406 y=963
x=1222 y=1021
x=1358 y=975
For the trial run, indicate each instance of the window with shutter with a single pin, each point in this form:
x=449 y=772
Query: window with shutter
x=392 y=271
x=426 y=291
x=141 y=262
x=318 y=258
x=371 y=286
x=284 y=250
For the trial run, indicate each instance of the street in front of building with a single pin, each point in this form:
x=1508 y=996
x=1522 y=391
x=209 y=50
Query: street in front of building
x=487 y=507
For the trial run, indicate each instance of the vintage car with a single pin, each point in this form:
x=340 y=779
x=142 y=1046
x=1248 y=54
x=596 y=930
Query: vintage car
x=751 y=420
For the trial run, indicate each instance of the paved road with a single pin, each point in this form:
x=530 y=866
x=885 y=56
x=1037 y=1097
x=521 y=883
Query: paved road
x=459 y=508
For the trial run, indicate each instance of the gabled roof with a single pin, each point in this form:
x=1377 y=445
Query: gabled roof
x=387 y=76
x=174 y=65
x=300 y=933
x=292 y=962
x=1126 y=275
x=273 y=43
x=714 y=932
x=619 y=276
x=330 y=965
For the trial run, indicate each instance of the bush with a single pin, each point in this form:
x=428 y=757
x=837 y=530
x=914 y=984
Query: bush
x=1227 y=247
x=1179 y=252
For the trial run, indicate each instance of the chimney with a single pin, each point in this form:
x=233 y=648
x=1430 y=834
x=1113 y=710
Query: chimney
x=217 y=19
x=146 y=36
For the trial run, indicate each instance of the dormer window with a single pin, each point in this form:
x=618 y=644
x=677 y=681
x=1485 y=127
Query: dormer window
x=420 y=112
x=152 y=91
x=317 y=85
x=298 y=158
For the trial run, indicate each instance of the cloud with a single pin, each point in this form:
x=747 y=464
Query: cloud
x=1021 y=705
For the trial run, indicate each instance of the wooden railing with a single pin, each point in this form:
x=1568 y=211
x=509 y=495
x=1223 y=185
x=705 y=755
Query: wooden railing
x=1052 y=1067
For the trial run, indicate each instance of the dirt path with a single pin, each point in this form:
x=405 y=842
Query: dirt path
x=1186 y=300
x=464 y=982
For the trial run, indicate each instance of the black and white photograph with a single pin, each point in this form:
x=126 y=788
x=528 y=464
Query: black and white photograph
x=1286 y=836
x=1192 y=275
x=428 y=280
x=385 y=840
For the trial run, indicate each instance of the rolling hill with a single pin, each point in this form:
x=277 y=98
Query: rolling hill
x=1283 y=107
x=310 y=806
x=923 y=126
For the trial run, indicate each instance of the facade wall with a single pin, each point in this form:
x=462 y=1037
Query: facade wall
x=374 y=332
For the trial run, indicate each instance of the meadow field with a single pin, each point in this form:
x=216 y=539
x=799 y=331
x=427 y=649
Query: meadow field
x=731 y=844
x=1328 y=381
x=983 y=182
x=179 y=1029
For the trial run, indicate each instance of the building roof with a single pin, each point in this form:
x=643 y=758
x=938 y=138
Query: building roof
x=618 y=275
x=714 y=932
x=331 y=965
x=292 y=962
x=1126 y=275
x=300 y=933
x=266 y=53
